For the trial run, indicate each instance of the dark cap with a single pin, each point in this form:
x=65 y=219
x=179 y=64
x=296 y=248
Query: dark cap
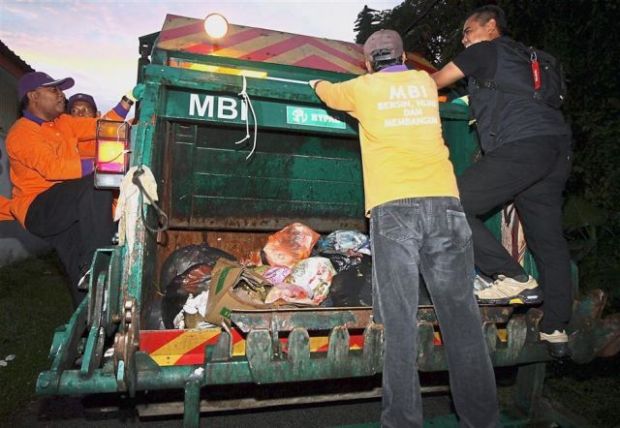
x=384 y=40
x=81 y=97
x=36 y=79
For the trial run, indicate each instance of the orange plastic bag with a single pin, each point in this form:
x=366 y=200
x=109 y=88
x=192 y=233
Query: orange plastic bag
x=290 y=245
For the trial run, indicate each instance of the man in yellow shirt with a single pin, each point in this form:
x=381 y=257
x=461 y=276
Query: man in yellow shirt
x=417 y=225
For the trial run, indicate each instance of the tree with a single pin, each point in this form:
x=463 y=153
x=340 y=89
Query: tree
x=366 y=24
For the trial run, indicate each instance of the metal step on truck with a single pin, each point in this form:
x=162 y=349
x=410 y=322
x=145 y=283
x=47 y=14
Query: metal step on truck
x=297 y=162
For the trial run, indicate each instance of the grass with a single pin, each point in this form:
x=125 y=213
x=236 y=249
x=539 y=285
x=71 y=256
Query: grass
x=33 y=301
x=592 y=390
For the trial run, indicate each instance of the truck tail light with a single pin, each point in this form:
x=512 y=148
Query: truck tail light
x=112 y=161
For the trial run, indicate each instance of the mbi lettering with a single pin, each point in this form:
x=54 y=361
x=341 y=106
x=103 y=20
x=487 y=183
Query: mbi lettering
x=217 y=107
x=400 y=92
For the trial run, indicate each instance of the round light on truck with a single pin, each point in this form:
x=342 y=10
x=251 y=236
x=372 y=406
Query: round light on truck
x=216 y=25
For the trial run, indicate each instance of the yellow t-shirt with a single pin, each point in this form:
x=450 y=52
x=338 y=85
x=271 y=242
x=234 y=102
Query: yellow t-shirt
x=403 y=152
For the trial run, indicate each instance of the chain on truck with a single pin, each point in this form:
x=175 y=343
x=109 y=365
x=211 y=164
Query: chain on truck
x=240 y=147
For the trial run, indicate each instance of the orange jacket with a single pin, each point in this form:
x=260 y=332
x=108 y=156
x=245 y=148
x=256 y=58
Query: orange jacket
x=5 y=209
x=41 y=155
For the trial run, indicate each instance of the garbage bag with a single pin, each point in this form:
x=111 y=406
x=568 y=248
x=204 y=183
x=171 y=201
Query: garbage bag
x=276 y=275
x=344 y=242
x=187 y=270
x=283 y=293
x=290 y=245
x=342 y=262
x=313 y=276
x=195 y=279
x=353 y=286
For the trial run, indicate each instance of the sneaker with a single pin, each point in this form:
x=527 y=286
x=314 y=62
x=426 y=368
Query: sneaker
x=557 y=343
x=508 y=291
x=482 y=283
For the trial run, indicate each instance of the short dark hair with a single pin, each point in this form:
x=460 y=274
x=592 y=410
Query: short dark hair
x=485 y=13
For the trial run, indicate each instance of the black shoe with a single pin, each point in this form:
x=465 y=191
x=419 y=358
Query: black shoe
x=557 y=343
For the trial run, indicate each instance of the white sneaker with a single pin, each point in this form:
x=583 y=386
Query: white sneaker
x=508 y=291
x=481 y=283
x=557 y=343
x=556 y=337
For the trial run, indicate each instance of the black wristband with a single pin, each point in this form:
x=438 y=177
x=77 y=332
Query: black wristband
x=127 y=100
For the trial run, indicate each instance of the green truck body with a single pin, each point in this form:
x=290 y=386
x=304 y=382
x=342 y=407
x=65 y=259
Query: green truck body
x=305 y=167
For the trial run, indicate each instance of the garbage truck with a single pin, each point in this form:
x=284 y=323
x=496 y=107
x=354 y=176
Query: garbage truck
x=239 y=147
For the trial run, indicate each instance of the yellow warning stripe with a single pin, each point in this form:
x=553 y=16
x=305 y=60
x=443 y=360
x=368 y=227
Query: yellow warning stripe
x=172 y=351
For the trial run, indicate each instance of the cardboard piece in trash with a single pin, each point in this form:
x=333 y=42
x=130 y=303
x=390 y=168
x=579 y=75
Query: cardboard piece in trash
x=226 y=275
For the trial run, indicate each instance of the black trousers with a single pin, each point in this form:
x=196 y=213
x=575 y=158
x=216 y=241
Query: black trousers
x=75 y=219
x=531 y=172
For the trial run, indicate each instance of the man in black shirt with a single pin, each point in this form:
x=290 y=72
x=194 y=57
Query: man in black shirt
x=527 y=157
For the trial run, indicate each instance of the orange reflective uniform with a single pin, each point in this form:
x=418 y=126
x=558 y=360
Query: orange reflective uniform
x=5 y=209
x=41 y=155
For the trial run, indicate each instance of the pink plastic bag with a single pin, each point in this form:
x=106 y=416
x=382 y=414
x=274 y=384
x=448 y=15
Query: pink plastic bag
x=314 y=275
x=288 y=293
x=307 y=284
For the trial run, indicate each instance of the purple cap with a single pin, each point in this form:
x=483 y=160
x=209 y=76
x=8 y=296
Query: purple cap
x=36 y=79
x=81 y=97
x=384 y=39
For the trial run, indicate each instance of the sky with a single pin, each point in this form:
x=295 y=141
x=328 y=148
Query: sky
x=96 y=41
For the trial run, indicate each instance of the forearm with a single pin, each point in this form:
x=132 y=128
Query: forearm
x=449 y=74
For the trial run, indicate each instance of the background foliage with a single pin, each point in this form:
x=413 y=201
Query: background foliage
x=583 y=35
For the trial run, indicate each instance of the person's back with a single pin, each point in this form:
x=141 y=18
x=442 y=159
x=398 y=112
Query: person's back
x=417 y=226
x=403 y=152
x=498 y=82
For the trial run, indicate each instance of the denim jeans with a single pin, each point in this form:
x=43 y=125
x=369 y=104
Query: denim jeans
x=429 y=236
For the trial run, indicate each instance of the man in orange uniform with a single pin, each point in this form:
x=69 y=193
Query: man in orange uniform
x=417 y=225
x=82 y=105
x=53 y=188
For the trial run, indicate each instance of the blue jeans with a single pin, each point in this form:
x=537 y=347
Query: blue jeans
x=429 y=236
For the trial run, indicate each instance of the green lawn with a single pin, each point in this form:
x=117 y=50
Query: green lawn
x=591 y=390
x=34 y=301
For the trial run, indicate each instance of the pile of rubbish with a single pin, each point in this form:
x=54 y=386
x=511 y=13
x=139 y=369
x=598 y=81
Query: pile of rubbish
x=296 y=268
